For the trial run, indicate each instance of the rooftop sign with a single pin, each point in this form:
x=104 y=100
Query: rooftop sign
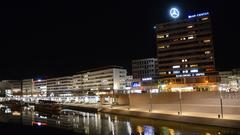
x=147 y=79
x=198 y=15
x=174 y=13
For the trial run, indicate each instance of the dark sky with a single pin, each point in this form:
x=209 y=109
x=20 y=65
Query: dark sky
x=40 y=38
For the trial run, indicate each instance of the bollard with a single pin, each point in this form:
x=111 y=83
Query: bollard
x=219 y=116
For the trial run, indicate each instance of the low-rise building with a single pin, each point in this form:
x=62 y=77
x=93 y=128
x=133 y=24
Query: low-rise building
x=40 y=86
x=60 y=86
x=97 y=79
x=144 y=68
x=230 y=80
x=27 y=87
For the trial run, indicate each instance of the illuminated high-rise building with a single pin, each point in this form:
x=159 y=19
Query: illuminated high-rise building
x=185 y=52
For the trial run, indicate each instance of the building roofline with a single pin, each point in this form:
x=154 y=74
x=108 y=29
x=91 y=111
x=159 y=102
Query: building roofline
x=182 y=20
x=143 y=59
x=101 y=68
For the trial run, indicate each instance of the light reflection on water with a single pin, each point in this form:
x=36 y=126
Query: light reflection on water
x=106 y=124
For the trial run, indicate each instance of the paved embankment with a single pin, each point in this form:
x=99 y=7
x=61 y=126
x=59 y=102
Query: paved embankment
x=86 y=108
x=206 y=119
x=178 y=118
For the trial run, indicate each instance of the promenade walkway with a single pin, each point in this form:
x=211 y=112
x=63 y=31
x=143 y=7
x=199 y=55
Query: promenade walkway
x=159 y=111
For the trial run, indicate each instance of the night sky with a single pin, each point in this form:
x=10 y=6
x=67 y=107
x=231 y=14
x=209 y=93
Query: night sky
x=43 y=38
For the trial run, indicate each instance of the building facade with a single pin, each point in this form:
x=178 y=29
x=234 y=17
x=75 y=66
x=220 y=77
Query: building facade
x=144 y=68
x=40 y=86
x=185 y=51
x=27 y=87
x=230 y=80
x=104 y=78
x=60 y=86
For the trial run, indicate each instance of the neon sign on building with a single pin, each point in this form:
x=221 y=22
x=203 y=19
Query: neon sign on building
x=174 y=13
x=198 y=15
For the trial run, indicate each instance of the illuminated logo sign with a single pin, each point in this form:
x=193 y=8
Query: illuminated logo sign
x=136 y=84
x=147 y=79
x=198 y=15
x=174 y=13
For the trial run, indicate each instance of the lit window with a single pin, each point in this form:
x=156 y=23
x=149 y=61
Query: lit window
x=176 y=66
x=169 y=72
x=161 y=46
x=179 y=75
x=186 y=65
x=194 y=71
x=167 y=46
x=176 y=72
x=207 y=52
x=209 y=69
x=185 y=71
x=187 y=75
x=167 y=35
x=190 y=37
x=193 y=65
x=206 y=41
x=162 y=73
x=160 y=36
x=190 y=26
x=183 y=38
x=205 y=18
x=184 y=60
x=200 y=74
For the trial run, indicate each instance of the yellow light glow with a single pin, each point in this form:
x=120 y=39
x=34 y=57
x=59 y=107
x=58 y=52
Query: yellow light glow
x=208 y=133
x=16 y=113
x=139 y=130
x=171 y=131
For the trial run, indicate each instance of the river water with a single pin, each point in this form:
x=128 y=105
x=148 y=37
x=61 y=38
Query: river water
x=69 y=122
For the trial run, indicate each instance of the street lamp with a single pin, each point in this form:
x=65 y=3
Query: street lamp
x=221 y=104
x=129 y=100
x=180 y=102
x=150 y=101
x=150 y=94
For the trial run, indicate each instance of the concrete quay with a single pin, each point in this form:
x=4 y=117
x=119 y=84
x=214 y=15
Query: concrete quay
x=82 y=107
x=230 y=121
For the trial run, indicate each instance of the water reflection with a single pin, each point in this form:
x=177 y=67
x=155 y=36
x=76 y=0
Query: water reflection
x=106 y=124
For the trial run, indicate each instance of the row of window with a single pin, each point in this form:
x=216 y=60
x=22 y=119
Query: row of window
x=180 y=71
x=143 y=66
x=206 y=41
x=172 y=27
x=195 y=74
x=144 y=62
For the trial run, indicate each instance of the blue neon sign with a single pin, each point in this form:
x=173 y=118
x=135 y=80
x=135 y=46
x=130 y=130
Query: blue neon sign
x=198 y=15
x=136 y=84
x=174 y=13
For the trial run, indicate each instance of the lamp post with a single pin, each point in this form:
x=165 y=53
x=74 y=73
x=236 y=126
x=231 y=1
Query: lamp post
x=150 y=94
x=150 y=110
x=129 y=100
x=221 y=103
x=180 y=102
